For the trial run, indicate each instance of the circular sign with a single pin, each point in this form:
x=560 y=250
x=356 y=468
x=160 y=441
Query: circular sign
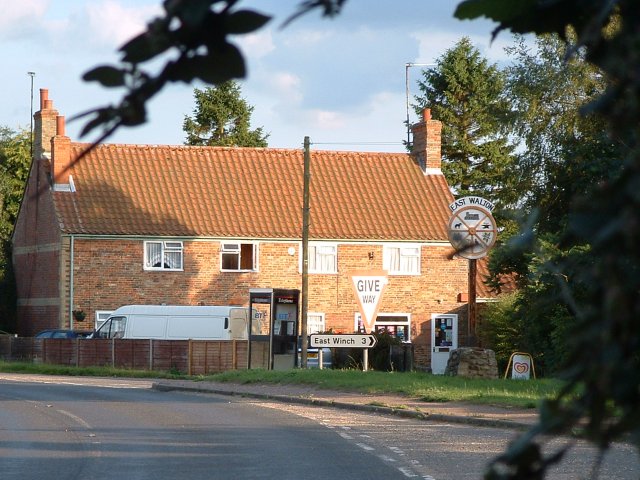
x=472 y=231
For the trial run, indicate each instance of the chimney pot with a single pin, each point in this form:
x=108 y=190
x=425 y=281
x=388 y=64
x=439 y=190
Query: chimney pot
x=60 y=125
x=48 y=104
x=426 y=114
x=44 y=96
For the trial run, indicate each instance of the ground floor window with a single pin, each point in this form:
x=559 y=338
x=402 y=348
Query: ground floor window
x=315 y=323
x=396 y=324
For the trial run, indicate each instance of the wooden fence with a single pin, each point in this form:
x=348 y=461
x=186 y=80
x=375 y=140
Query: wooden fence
x=193 y=357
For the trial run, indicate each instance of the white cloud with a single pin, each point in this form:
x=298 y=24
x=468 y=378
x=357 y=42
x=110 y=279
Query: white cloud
x=21 y=18
x=256 y=45
x=327 y=120
x=433 y=44
x=111 y=23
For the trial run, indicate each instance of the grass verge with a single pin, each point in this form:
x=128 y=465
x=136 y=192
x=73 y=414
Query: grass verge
x=423 y=386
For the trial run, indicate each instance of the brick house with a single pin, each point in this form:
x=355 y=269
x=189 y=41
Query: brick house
x=147 y=224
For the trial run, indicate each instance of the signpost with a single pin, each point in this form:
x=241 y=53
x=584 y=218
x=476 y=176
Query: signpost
x=342 y=340
x=368 y=286
x=472 y=228
x=472 y=232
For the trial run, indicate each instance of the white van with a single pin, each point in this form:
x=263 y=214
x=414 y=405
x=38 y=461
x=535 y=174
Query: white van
x=172 y=322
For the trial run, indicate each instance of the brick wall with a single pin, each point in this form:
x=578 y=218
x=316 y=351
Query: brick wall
x=109 y=274
x=37 y=257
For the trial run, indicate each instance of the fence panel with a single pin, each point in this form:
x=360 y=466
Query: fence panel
x=195 y=357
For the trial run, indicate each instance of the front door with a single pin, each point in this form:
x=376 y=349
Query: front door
x=444 y=339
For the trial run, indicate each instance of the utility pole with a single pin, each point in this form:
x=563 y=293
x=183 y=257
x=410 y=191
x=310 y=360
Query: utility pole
x=305 y=252
x=31 y=74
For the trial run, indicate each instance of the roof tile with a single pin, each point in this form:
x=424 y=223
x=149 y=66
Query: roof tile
x=251 y=193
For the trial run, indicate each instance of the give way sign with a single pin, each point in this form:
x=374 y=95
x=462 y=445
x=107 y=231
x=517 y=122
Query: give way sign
x=368 y=285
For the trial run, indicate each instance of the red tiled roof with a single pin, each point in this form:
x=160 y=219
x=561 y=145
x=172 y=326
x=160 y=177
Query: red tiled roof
x=507 y=282
x=251 y=193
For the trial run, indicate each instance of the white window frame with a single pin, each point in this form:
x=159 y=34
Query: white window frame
x=225 y=250
x=320 y=255
x=402 y=252
x=321 y=323
x=166 y=247
x=381 y=322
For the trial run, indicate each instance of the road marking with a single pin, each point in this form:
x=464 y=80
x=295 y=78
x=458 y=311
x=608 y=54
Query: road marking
x=407 y=473
x=397 y=451
x=386 y=458
x=76 y=418
x=364 y=446
x=345 y=435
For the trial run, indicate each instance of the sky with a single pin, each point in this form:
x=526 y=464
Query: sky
x=340 y=81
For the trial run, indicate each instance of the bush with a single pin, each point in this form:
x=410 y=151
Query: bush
x=379 y=356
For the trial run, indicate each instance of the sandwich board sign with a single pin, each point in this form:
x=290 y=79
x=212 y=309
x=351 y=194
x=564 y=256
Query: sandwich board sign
x=521 y=368
x=368 y=286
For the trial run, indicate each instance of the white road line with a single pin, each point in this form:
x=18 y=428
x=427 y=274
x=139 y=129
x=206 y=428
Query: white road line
x=397 y=451
x=76 y=418
x=364 y=446
x=407 y=473
x=345 y=435
x=387 y=458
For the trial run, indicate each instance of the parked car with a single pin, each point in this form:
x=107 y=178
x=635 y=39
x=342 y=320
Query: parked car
x=61 y=334
x=313 y=357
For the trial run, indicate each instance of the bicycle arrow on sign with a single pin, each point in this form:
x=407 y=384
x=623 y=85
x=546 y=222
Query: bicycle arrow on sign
x=317 y=340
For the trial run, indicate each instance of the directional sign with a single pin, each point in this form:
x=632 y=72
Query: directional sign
x=368 y=287
x=472 y=228
x=318 y=340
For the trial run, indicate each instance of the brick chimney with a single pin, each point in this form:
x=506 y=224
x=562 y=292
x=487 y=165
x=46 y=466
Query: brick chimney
x=427 y=143
x=61 y=156
x=44 y=127
x=50 y=145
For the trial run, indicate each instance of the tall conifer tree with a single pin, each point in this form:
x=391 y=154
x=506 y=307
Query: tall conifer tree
x=222 y=118
x=466 y=93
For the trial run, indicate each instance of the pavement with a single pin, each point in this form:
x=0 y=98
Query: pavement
x=386 y=404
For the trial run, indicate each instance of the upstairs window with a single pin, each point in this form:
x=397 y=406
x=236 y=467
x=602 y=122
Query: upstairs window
x=238 y=257
x=402 y=259
x=163 y=255
x=323 y=258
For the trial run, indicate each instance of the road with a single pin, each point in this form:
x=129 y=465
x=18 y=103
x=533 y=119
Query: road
x=106 y=428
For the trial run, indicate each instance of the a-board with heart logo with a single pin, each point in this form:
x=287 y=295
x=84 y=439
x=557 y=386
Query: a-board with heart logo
x=521 y=367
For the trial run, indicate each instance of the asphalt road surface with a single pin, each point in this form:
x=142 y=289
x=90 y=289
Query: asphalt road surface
x=107 y=429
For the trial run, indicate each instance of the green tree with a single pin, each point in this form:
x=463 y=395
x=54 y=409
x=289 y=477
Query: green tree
x=14 y=170
x=564 y=154
x=602 y=393
x=466 y=93
x=222 y=118
x=565 y=151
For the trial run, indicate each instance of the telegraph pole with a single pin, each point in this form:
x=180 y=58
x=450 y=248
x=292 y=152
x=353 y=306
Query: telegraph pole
x=305 y=252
